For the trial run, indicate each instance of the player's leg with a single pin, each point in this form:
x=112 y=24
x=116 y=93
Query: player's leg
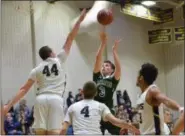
x=40 y=115
x=55 y=115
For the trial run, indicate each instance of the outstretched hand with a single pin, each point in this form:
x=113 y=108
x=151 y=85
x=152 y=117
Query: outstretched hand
x=115 y=47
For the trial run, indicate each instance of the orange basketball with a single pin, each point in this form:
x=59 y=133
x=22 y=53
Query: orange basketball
x=105 y=17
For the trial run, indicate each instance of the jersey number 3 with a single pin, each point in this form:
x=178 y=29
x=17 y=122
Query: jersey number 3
x=85 y=111
x=53 y=70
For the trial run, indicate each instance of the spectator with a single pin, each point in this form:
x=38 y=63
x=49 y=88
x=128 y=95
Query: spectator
x=12 y=112
x=167 y=121
x=79 y=96
x=30 y=117
x=11 y=127
x=120 y=99
x=23 y=120
x=70 y=99
x=127 y=99
x=22 y=107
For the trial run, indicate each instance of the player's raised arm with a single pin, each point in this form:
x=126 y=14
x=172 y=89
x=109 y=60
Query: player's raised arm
x=117 y=73
x=99 y=55
x=73 y=33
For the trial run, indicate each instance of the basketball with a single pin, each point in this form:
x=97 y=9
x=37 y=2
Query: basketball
x=105 y=17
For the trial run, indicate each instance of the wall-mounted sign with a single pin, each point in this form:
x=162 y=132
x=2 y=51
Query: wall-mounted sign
x=179 y=33
x=159 y=36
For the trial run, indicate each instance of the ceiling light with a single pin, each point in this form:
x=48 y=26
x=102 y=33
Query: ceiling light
x=148 y=3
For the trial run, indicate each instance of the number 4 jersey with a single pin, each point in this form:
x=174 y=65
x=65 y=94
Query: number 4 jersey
x=85 y=116
x=50 y=75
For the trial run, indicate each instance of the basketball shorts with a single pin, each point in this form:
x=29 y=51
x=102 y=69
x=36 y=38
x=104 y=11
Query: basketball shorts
x=48 y=112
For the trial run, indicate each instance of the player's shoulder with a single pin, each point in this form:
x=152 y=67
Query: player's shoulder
x=99 y=104
x=153 y=90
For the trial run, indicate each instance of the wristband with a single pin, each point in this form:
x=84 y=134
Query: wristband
x=181 y=109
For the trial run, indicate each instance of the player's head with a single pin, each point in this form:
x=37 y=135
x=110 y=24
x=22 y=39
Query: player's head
x=167 y=115
x=89 y=90
x=46 y=52
x=147 y=74
x=107 y=68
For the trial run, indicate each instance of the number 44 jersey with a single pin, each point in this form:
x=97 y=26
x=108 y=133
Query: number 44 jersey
x=50 y=75
x=85 y=116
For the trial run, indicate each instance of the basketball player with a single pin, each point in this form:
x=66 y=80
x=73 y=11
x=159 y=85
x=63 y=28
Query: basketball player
x=179 y=125
x=150 y=102
x=107 y=77
x=50 y=77
x=86 y=114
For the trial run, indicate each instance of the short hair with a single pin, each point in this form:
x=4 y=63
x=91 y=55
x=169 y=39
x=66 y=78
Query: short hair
x=149 y=73
x=89 y=90
x=166 y=110
x=45 y=52
x=111 y=64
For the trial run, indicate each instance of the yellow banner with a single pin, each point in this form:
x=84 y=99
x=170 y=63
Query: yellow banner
x=159 y=36
x=141 y=11
x=179 y=34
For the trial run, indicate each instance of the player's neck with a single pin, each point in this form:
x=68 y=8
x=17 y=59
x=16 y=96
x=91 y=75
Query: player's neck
x=144 y=87
x=89 y=99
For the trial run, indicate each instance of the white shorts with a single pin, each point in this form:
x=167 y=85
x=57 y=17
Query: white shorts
x=48 y=112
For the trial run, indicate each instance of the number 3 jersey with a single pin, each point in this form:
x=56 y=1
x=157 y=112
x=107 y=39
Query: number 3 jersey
x=106 y=87
x=151 y=117
x=50 y=75
x=85 y=116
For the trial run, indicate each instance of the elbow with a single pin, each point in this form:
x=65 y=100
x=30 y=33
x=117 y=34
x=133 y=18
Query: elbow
x=97 y=56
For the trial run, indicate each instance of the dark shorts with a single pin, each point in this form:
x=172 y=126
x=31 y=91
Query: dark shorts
x=113 y=130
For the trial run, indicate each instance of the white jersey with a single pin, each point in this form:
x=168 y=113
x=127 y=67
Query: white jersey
x=151 y=119
x=166 y=129
x=85 y=116
x=50 y=75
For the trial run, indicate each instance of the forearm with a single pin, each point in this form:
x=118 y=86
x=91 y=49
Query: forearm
x=18 y=96
x=120 y=123
x=99 y=57
x=64 y=128
x=101 y=49
x=71 y=36
x=117 y=64
x=172 y=104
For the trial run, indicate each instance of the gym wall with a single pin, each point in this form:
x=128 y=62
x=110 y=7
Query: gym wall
x=174 y=63
x=16 y=48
